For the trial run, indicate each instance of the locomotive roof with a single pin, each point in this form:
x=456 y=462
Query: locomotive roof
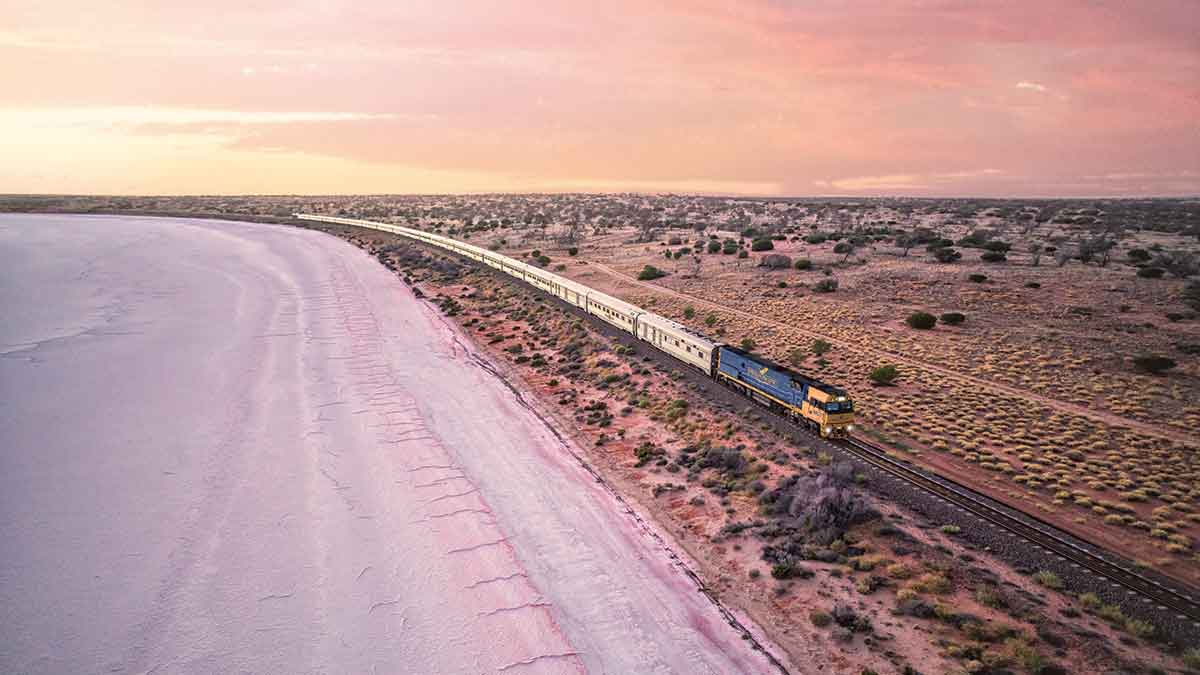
x=817 y=384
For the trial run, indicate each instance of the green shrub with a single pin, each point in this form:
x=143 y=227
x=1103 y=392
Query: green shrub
x=710 y=320
x=714 y=246
x=821 y=347
x=729 y=247
x=748 y=344
x=743 y=254
x=1139 y=628
x=573 y=251
x=804 y=264
x=977 y=278
x=816 y=238
x=820 y=618
x=784 y=571
x=1111 y=613
x=1048 y=579
x=885 y=374
x=1138 y=255
x=946 y=255
x=1033 y=284
x=1090 y=601
x=952 y=318
x=921 y=320
x=993 y=257
x=1153 y=363
x=762 y=245
x=650 y=272
x=1150 y=272
x=689 y=312
x=1191 y=658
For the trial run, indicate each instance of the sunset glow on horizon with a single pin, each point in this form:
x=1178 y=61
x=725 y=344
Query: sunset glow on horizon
x=761 y=97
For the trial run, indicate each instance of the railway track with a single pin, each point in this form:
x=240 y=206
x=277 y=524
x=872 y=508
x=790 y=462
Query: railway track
x=1185 y=605
x=1182 y=605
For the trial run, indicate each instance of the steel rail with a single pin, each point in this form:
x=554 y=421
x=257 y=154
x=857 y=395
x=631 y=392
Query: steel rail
x=1051 y=538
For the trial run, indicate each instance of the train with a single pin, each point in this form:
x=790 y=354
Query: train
x=824 y=408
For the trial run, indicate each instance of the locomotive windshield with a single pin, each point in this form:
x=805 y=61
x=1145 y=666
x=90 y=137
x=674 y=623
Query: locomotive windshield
x=839 y=407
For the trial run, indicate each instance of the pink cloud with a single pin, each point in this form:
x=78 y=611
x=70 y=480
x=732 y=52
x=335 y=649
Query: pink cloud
x=765 y=92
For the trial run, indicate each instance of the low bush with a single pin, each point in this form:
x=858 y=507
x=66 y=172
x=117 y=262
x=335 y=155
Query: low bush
x=946 y=255
x=804 y=264
x=1150 y=272
x=714 y=246
x=1033 y=284
x=993 y=257
x=977 y=278
x=1139 y=628
x=748 y=344
x=820 y=618
x=775 y=261
x=921 y=320
x=650 y=272
x=1048 y=579
x=885 y=374
x=825 y=286
x=1153 y=363
x=689 y=312
x=762 y=245
x=573 y=251
x=952 y=318
x=1138 y=255
x=743 y=254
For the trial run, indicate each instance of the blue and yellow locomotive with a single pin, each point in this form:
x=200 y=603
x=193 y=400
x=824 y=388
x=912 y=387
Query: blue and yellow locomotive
x=823 y=407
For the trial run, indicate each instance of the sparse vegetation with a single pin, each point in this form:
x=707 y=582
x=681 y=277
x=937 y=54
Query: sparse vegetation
x=952 y=318
x=921 y=320
x=885 y=374
x=650 y=272
x=1153 y=364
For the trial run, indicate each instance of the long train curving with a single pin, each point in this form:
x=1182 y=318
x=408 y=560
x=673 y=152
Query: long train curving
x=830 y=411
x=825 y=408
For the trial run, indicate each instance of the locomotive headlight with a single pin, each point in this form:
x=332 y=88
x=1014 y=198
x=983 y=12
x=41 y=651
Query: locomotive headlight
x=828 y=429
x=841 y=398
x=849 y=427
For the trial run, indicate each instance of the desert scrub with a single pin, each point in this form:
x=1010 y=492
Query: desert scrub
x=934 y=583
x=820 y=618
x=921 y=320
x=650 y=272
x=1048 y=579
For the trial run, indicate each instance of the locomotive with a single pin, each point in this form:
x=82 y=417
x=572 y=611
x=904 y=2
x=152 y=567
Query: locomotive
x=824 y=408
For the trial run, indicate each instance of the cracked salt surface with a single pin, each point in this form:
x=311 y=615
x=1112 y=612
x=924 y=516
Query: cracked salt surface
x=233 y=447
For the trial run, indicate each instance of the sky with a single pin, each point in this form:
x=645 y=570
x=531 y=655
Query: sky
x=756 y=97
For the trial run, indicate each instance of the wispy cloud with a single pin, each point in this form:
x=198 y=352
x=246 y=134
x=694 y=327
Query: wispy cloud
x=147 y=115
x=1033 y=86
